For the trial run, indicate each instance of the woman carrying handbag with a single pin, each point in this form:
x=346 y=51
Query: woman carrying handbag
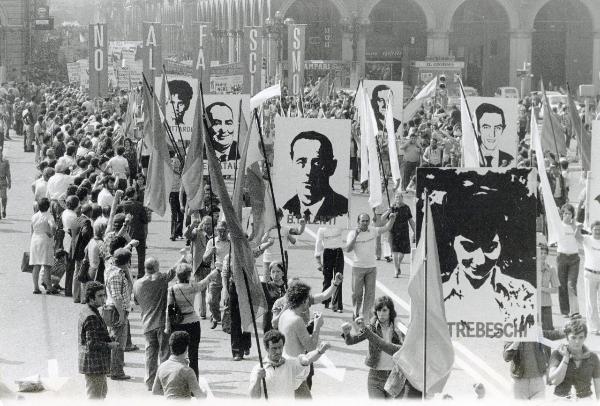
x=181 y=315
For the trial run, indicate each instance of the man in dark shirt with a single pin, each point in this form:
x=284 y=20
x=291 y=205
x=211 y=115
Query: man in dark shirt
x=138 y=224
x=82 y=232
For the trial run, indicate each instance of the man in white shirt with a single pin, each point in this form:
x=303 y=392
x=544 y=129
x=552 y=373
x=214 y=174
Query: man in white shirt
x=433 y=154
x=591 y=275
x=105 y=197
x=330 y=261
x=283 y=374
x=118 y=165
x=361 y=244
x=39 y=186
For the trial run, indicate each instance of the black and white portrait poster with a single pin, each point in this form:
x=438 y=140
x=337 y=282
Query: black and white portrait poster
x=223 y=119
x=593 y=181
x=496 y=119
x=485 y=229
x=181 y=96
x=310 y=170
x=380 y=92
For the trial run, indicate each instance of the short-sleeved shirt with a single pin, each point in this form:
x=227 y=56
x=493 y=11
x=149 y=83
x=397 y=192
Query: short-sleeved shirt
x=119 y=165
x=151 y=295
x=175 y=379
x=282 y=380
x=578 y=378
x=273 y=253
x=591 y=248
x=567 y=244
x=363 y=254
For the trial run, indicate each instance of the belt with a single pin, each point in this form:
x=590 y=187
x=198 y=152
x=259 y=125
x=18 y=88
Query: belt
x=592 y=271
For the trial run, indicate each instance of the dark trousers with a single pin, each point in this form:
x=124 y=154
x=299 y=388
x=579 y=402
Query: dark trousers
x=193 y=329
x=240 y=341
x=408 y=170
x=141 y=255
x=568 y=273
x=547 y=318
x=176 y=215
x=333 y=262
x=69 y=277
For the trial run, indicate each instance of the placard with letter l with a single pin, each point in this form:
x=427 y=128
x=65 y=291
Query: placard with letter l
x=252 y=60
x=98 y=60
x=296 y=52
x=202 y=53
x=152 y=51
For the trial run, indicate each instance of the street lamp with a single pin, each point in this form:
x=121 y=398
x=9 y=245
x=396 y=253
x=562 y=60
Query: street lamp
x=277 y=27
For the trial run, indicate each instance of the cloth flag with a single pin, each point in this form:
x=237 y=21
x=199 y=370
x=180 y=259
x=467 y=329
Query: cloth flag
x=584 y=138
x=369 y=169
x=440 y=352
x=550 y=207
x=160 y=173
x=553 y=138
x=392 y=147
x=192 y=177
x=415 y=104
x=470 y=146
x=321 y=90
x=242 y=258
x=264 y=95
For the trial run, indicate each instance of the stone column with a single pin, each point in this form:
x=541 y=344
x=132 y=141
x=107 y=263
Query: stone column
x=347 y=46
x=438 y=43
x=520 y=52
x=596 y=61
x=361 y=52
x=189 y=16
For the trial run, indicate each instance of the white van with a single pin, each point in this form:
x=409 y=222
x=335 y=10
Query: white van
x=507 y=91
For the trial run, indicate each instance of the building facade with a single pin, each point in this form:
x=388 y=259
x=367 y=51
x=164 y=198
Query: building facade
x=14 y=39
x=492 y=39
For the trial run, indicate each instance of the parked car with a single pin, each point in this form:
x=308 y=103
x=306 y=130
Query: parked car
x=554 y=100
x=454 y=95
x=507 y=91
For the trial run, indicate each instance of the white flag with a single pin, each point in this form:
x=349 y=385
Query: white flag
x=469 y=140
x=362 y=115
x=375 y=193
x=549 y=204
x=265 y=95
x=391 y=138
x=415 y=104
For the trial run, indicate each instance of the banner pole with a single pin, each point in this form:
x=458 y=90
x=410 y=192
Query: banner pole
x=477 y=136
x=424 y=393
x=260 y=360
x=270 y=180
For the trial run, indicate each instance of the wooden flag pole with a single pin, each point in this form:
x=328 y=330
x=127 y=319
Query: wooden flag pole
x=477 y=136
x=260 y=360
x=424 y=235
x=270 y=180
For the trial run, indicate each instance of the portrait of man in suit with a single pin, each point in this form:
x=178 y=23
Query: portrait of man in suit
x=379 y=101
x=313 y=163
x=180 y=97
x=221 y=127
x=491 y=124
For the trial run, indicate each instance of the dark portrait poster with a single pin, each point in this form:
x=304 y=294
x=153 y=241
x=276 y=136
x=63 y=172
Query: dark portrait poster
x=223 y=120
x=486 y=236
x=310 y=171
x=496 y=120
x=181 y=96
x=380 y=92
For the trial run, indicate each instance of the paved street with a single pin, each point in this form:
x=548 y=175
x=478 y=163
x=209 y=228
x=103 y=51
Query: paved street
x=39 y=328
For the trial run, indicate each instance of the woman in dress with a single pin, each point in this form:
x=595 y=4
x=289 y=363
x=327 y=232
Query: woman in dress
x=573 y=367
x=184 y=293
x=399 y=237
x=41 y=248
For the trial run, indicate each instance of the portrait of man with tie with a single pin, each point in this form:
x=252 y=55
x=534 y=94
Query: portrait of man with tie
x=491 y=125
x=313 y=164
x=222 y=128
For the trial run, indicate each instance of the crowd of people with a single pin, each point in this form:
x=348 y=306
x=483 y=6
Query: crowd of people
x=89 y=216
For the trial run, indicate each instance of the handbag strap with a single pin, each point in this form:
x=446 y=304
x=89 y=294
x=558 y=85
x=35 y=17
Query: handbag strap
x=186 y=299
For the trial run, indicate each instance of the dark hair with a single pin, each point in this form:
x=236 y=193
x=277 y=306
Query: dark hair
x=183 y=89
x=122 y=256
x=72 y=202
x=120 y=150
x=86 y=209
x=374 y=105
x=179 y=342
x=82 y=193
x=297 y=294
x=71 y=190
x=91 y=289
x=488 y=108
x=569 y=207
x=96 y=211
x=117 y=243
x=575 y=326
x=130 y=192
x=71 y=149
x=385 y=301
x=107 y=180
x=273 y=336
x=215 y=104
x=44 y=204
x=325 y=150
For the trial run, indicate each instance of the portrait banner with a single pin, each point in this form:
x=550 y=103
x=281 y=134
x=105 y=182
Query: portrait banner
x=252 y=60
x=202 y=53
x=296 y=53
x=496 y=121
x=98 y=60
x=223 y=119
x=73 y=72
x=84 y=77
x=593 y=181
x=151 y=51
x=311 y=171
x=485 y=225
x=379 y=94
x=181 y=96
